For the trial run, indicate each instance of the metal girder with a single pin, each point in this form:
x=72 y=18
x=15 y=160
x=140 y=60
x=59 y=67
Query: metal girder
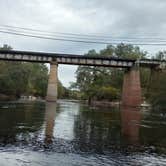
x=12 y=55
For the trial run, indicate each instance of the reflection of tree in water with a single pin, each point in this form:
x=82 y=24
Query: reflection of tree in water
x=96 y=131
x=20 y=122
x=153 y=129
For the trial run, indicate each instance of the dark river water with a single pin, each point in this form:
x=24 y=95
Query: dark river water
x=72 y=134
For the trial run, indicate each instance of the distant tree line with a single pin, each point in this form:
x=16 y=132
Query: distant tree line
x=103 y=83
x=92 y=83
x=25 y=78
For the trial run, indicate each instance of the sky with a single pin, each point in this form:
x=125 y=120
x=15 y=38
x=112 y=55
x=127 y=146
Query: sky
x=122 y=18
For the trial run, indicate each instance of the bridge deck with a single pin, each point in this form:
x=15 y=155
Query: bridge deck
x=75 y=59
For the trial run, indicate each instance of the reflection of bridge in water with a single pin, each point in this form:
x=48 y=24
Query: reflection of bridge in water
x=64 y=125
x=91 y=133
x=131 y=87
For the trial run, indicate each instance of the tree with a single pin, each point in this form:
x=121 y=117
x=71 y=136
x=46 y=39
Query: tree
x=157 y=89
x=161 y=55
x=17 y=78
x=25 y=78
x=94 y=81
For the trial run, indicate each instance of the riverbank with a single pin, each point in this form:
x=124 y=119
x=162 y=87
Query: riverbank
x=105 y=103
x=4 y=97
x=114 y=104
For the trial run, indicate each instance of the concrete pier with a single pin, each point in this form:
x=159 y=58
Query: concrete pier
x=52 y=83
x=131 y=94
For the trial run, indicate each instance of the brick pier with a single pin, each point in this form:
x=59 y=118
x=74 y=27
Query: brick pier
x=131 y=94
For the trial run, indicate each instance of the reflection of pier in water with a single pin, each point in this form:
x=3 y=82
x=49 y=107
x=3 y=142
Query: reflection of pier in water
x=86 y=128
x=130 y=121
x=103 y=130
x=97 y=131
x=50 y=114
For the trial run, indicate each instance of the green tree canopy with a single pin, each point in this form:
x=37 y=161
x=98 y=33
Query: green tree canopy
x=94 y=81
x=25 y=78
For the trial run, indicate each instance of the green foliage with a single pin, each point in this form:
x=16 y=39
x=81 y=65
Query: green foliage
x=63 y=92
x=18 y=78
x=103 y=82
x=107 y=93
x=75 y=94
x=22 y=78
x=161 y=55
x=129 y=51
x=157 y=90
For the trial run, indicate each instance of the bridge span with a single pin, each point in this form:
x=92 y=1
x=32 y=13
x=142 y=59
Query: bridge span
x=131 y=94
x=72 y=59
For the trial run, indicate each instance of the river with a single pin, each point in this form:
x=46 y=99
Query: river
x=71 y=133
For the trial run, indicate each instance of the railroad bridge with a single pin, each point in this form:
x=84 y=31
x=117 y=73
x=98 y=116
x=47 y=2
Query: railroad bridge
x=131 y=93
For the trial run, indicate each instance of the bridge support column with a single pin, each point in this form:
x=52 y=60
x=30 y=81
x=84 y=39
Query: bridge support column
x=131 y=94
x=52 y=83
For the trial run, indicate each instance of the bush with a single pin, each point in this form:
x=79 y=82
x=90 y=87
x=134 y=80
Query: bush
x=108 y=93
